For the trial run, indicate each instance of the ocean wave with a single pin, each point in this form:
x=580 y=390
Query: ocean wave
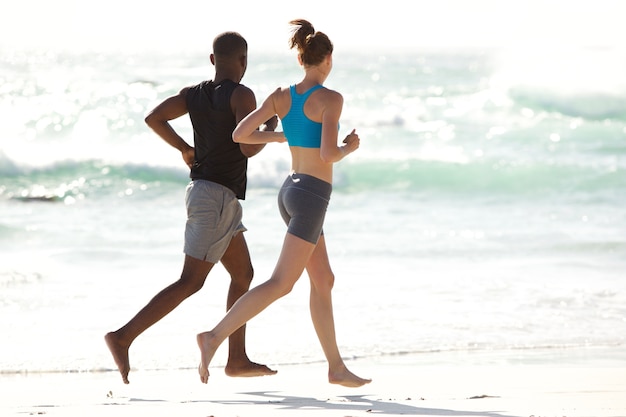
x=480 y=177
x=586 y=105
x=579 y=83
x=65 y=179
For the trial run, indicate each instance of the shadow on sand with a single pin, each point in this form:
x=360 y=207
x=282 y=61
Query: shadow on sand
x=354 y=403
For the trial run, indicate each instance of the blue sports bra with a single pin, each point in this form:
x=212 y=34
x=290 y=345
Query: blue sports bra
x=298 y=128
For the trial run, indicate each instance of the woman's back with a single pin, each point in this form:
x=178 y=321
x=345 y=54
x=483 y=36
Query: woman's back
x=321 y=109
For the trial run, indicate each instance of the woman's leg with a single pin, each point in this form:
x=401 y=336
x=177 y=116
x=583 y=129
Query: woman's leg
x=291 y=263
x=321 y=305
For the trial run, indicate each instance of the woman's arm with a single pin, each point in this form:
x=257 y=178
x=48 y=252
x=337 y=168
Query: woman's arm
x=250 y=150
x=247 y=130
x=329 y=151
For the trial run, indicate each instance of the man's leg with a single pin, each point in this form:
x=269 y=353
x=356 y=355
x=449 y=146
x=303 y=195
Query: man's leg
x=192 y=279
x=237 y=262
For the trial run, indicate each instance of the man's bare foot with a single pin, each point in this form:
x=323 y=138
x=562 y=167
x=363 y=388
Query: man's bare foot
x=248 y=369
x=343 y=376
x=120 y=355
x=207 y=346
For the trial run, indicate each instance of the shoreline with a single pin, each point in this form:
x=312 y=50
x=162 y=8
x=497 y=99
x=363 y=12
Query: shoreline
x=565 y=356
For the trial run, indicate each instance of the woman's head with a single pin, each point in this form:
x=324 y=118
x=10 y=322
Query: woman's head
x=313 y=47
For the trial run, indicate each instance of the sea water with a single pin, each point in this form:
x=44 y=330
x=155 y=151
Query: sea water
x=482 y=219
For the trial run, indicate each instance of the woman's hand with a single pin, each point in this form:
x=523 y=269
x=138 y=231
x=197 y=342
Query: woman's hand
x=352 y=142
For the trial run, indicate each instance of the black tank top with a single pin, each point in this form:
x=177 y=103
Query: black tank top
x=217 y=157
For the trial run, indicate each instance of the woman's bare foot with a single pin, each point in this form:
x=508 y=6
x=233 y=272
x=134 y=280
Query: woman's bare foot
x=342 y=376
x=247 y=369
x=120 y=354
x=208 y=346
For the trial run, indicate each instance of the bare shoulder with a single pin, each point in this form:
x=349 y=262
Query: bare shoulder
x=183 y=92
x=332 y=93
x=280 y=92
x=242 y=102
x=242 y=92
x=281 y=100
x=331 y=98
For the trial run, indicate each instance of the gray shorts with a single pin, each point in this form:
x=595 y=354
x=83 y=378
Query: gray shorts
x=302 y=201
x=213 y=217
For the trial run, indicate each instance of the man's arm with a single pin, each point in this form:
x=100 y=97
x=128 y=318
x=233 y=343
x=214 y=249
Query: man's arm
x=243 y=102
x=158 y=120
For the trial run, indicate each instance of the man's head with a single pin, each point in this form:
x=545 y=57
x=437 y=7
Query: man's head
x=229 y=43
x=230 y=49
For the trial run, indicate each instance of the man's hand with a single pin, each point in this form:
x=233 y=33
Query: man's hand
x=189 y=156
x=270 y=124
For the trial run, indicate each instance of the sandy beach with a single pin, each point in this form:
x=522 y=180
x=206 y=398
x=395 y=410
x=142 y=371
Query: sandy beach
x=398 y=388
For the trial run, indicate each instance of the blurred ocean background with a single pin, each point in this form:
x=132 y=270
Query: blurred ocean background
x=482 y=219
